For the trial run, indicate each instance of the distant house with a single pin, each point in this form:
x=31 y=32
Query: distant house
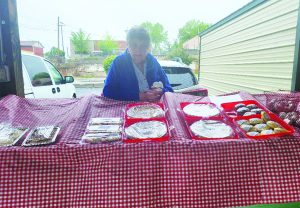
x=192 y=46
x=93 y=47
x=252 y=49
x=35 y=47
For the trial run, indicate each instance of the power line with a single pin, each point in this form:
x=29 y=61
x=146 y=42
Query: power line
x=37 y=28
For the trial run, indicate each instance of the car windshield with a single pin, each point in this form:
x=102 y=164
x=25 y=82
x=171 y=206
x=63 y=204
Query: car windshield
x=37 y=71
x=180 y=77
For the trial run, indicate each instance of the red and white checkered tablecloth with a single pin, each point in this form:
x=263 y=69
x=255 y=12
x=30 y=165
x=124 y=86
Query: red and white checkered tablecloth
x=177 y=173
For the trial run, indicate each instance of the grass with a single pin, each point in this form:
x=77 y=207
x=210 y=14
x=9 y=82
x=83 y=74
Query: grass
x=86 y=76
x=287 y=205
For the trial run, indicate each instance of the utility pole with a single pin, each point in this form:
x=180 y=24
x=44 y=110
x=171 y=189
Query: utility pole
x=58 y=24
x=62 y=36
x=60 y=30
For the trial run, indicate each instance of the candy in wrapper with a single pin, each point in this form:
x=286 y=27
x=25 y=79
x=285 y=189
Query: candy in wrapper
x=157 y=85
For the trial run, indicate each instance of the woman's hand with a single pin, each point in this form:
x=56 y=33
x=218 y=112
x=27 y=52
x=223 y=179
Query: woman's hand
x=152 y=95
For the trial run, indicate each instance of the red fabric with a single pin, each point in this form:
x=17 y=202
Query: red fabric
x=177 y=173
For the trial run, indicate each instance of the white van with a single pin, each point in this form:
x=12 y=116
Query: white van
x=43 y=80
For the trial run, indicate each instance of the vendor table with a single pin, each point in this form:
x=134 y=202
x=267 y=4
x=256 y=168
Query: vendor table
x=178 y=173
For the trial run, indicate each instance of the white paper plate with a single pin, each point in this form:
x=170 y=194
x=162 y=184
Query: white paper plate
x=211 y=129
x=201 y=110
x=145 y=111
x=148 y=129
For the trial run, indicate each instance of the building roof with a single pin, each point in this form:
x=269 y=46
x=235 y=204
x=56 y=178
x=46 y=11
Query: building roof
x=234 y=15
x=31 y=43
x=192 y=44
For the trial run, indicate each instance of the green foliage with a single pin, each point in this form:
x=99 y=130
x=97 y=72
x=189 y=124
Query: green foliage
x=191 y=29
x=107 y=62
x=158 y=35
x=108 y=46
x=80 y=42
x=56 y=55
x=54 y=52
x=176 y=51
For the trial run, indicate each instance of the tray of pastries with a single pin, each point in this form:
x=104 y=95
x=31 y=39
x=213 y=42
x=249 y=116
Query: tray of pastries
x=10 y=135
x=41 y=136
x=106 y=121
x=211 y=129
x=200 y=109
x=264 y=126
x=103 y=129
x=150 y=130
x=144 y=110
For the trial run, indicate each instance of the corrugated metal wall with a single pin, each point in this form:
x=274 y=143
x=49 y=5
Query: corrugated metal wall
x=253 y=52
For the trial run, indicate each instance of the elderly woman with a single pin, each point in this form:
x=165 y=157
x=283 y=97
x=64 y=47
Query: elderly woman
x=135 y=74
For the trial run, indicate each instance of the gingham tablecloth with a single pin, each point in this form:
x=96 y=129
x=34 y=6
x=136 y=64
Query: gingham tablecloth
x=177 y=173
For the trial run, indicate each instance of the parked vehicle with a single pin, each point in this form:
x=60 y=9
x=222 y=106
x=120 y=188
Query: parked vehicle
x=181 y=78
x=43 y=80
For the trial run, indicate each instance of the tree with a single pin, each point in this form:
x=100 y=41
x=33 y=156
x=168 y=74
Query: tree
x=158 y=35
x=56 y=55
x=108 y=45
x=107 y=62
x=80 y=42
x=55 y=52
x=191 y=29
x=176 y=51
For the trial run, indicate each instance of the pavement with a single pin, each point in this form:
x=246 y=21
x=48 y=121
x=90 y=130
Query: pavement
x=89 y=82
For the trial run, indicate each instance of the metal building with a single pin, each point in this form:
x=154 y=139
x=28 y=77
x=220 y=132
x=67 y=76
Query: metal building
x=255 y=49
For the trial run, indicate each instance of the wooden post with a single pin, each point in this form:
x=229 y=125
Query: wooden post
x=11 y=49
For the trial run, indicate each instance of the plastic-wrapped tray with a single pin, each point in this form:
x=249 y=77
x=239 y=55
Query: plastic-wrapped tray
x=10 y=135
x=146 y=130
x=234 y=111
x=104 y=128
x=144 y=111
x=243 y=125
x=101 y=137
x=211 y=129
x=200 y=110
x=42 y=135
x=106 y=120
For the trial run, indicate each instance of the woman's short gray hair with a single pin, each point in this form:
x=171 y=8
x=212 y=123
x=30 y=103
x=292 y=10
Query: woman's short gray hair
x=138 y=33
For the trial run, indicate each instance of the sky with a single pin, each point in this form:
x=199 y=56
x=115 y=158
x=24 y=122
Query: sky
x=38 y=18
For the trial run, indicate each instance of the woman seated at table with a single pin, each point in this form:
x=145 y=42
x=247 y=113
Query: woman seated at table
x=135 y=74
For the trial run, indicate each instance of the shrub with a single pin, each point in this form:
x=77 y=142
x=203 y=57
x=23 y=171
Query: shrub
x=107 y=62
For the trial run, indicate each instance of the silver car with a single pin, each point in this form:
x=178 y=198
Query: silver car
x=181 y=78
